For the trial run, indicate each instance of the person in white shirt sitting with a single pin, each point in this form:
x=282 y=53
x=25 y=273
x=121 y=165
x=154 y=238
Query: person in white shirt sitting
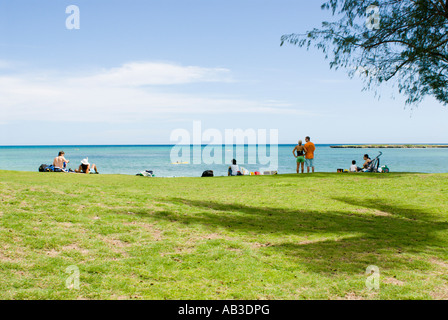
x=234 y=169
x=354 y=167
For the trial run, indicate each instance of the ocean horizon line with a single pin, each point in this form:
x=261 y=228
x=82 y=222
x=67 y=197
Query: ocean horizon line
x=204 y=145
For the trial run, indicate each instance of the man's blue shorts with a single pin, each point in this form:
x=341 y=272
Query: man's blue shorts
x=309 y=162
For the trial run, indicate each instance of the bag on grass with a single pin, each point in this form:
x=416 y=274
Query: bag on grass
x=207 y=173
x=43 y=167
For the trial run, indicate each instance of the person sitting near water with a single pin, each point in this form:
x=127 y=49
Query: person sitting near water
x=85 y=167
x=300 y=157
x=234 y=169
x=367 y=161
x=60 y=163
x=354 y=167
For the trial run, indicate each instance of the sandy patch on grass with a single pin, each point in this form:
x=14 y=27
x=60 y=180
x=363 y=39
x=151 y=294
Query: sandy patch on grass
x=374 y=212
x=439 y=262
x=66 y=225
x=305 y=242
x=116 y=243
x=6 y=258
x=20 y=273
x=381 y=213
x=57 y=191
x=257 y=245
x=13 y=255
x=212 y=236
x=48 y=190
x=311 y=241
x=23 y=204
x=52 y=253
x=441 y=293
x=6 y=197
x=393 y=281
x=351 y=296
x=155 y=233
x=187 y=248
x=74 y=246
x=148 y=227
x=130 y=297
x=368 y=295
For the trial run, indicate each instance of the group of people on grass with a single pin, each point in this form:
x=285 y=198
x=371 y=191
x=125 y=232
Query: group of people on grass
x=60 y=165
x=355 y=168
x=304 y=155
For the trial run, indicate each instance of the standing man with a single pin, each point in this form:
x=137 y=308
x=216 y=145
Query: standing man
x=309 y=154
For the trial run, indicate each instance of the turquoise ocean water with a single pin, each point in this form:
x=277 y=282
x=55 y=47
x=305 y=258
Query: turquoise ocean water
x=134 y=159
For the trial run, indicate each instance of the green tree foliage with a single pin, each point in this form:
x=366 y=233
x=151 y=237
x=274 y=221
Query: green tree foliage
x=409 y=45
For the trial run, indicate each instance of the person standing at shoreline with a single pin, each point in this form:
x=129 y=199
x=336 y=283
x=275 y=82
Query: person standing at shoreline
x=300 y=158
x=309 y=154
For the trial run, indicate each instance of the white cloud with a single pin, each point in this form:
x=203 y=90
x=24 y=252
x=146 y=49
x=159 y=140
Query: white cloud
x=123 y=94
x=150 y=73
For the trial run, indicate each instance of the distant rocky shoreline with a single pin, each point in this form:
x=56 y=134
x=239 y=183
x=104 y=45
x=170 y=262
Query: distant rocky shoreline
x=395 y=146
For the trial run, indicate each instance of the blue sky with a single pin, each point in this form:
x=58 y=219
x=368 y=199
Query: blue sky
x=137 y=70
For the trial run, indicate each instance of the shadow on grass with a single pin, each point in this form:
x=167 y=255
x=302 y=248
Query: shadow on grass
x=333 y=241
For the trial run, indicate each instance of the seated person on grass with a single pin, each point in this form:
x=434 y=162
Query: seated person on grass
x=367 y=161
x=354 y=167
x=59 y=163
x=234 y=169
x=85 y=167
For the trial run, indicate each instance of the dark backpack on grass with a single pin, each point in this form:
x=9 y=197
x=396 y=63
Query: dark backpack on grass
x=43 y=167
x=207 y=173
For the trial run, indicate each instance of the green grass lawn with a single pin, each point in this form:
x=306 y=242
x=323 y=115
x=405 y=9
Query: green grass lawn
x=255 y=237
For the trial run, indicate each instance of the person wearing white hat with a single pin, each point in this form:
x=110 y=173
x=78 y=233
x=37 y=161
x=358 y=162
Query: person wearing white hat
x=85 y=167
